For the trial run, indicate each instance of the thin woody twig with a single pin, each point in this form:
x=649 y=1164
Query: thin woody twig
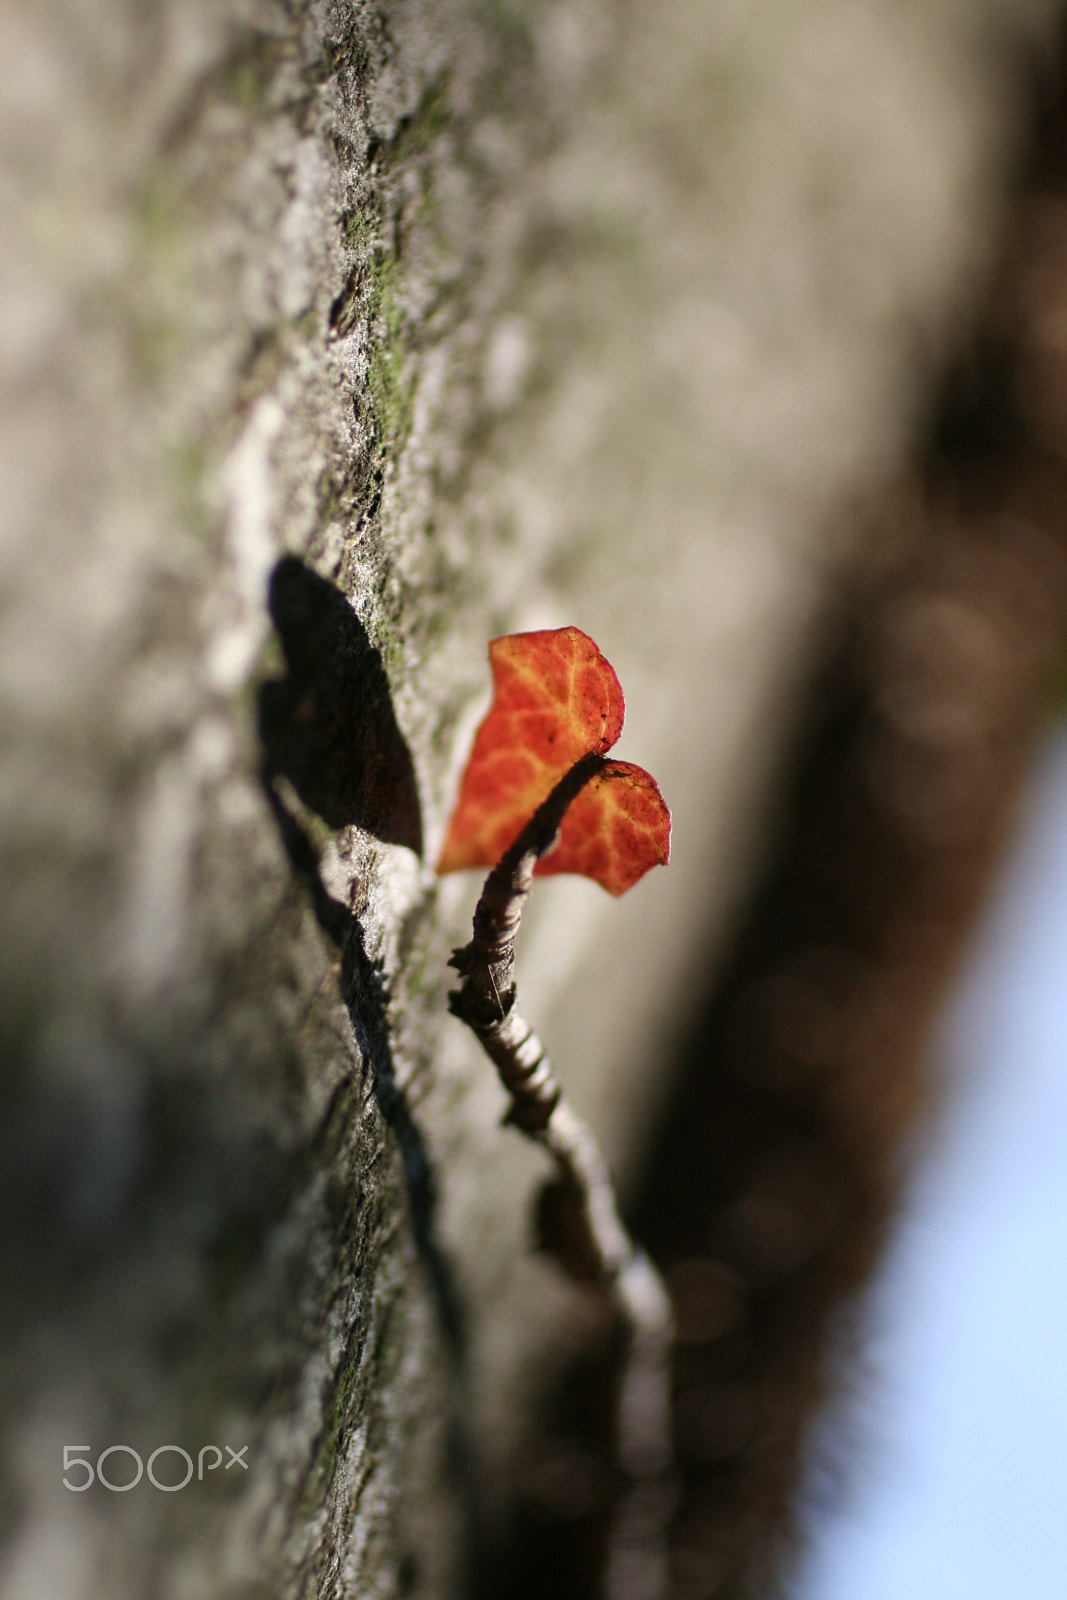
x=487 y=1001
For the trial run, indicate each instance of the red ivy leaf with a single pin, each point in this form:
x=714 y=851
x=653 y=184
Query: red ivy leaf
x=555 y=700
x=613 y=830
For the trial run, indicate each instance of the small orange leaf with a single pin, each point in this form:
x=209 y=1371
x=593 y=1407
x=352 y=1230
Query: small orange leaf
x=556 y=699
x=613 y=830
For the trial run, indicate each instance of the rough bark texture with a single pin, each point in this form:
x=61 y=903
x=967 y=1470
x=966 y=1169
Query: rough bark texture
x=337 y=338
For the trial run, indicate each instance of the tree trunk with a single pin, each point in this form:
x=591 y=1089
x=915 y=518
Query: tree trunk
x=337 y=339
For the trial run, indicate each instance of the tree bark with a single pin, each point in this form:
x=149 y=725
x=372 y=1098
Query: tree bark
x=337 y=338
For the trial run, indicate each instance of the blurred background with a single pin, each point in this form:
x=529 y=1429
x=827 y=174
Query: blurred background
x=821 y=1109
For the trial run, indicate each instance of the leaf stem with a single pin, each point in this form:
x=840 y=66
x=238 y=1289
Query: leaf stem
x=589 y=1238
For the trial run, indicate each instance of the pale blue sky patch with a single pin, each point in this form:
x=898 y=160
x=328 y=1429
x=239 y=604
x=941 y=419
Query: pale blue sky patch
x=959 y=1488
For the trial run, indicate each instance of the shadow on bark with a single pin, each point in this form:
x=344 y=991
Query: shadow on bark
x=329 y=726
x=330 y=729
x=365 y=998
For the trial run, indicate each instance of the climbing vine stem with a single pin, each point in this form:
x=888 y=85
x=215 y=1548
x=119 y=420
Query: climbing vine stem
x=586 y=1233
